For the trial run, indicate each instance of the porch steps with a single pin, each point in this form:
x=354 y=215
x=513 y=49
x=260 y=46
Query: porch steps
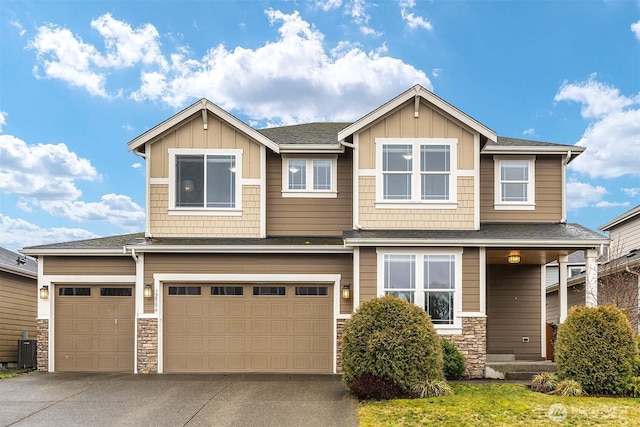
x=499 y=368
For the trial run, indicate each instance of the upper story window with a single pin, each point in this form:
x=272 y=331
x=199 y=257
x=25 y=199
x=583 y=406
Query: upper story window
x=205 y=180
x=430 y=279
x=305 y=177
x=416 y=170
x=514 y=183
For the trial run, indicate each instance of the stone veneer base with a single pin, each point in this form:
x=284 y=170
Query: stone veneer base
x=147 y=346
x=42 y=358
x=472 y=344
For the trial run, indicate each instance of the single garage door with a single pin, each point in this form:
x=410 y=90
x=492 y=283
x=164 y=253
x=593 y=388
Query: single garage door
x=94 y=329
x=248 y=328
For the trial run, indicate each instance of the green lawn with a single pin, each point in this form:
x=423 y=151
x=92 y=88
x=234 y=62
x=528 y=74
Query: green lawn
x=500 y=405
x=13 y=372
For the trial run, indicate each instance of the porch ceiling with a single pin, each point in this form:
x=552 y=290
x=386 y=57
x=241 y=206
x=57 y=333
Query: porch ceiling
x=527 y=256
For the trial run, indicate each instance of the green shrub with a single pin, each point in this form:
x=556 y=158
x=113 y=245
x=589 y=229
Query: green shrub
x=633 y=387
x=370 y=387
x=454 y=367
x=637 y=361
x=545 y=382
x=389 y=339
x=568 y=388
x=596 y=346
x=434 y=388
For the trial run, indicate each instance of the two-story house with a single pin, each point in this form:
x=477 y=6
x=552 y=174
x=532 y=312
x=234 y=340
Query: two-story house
x=260 y=244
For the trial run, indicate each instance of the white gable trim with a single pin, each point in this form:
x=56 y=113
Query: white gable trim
x=417 y=91
x=202 y=105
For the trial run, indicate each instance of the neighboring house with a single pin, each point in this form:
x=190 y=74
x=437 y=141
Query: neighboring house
x=259 y=244
x=618 y=272
x=18 y=303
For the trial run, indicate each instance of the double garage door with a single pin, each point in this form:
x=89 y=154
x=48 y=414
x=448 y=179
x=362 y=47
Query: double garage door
x=247 y=328
x=206 y=328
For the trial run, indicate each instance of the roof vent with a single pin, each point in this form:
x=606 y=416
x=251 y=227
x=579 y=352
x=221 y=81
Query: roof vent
x=632 y=252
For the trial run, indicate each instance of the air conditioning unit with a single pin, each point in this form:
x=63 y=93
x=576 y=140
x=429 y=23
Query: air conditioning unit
x=27 y=353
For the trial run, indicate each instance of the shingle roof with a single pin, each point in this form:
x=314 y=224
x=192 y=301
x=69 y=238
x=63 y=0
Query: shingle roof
x=268 y=241
x=524 y=232
x=519 y=142
x=309 y=133
x=19 y=263
x=111 y=242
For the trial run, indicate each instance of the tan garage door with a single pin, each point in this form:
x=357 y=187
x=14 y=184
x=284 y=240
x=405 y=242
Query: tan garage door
x=248 y=328
x=94 y=328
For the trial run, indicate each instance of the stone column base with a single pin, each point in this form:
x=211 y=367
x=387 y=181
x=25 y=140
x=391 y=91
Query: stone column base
x=147 y=346
x=472 y=344
x=42 y=358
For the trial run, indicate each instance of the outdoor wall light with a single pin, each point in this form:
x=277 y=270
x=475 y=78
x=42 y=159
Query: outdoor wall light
x=346 y=291
x=148 y=291
x=44 y=292
x=514 y=258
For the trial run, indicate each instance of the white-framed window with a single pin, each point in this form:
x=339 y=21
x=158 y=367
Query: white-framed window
x=428 y=278
x=574 y=271
x=309 y=177
x=205 y=181
x=416 y=171
x=514 y=182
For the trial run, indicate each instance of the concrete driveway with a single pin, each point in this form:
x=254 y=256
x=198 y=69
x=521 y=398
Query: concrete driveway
x=77 y=399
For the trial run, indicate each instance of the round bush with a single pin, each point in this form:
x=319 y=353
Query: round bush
x=390 y=341
x=454 y=367
x=596 y=347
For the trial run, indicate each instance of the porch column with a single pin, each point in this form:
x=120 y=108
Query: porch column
x=562 y=286
x=591 y=278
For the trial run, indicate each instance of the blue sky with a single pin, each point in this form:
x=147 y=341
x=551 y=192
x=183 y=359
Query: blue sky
x=78 y=80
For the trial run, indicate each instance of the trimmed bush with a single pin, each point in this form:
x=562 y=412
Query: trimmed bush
x=370 y=387
x=596 y=347
x=568 y=388
x=633 y=387
x=390 y=343
x=454 y=367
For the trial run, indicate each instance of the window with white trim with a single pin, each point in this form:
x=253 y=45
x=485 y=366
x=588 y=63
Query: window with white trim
x=514 y=182
x=416 y=170
x=429 y=279
x=205 y=180
x=306 y=177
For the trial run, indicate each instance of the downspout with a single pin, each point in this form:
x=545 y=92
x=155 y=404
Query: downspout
x=147 y=192
x=565 y=162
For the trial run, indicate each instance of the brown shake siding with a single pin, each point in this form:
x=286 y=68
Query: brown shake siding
x=471 y=279
x=86 y=265
x=513 y=310
x=251 y=264
x=548 y=192
x=18 y=301
x=308 y=216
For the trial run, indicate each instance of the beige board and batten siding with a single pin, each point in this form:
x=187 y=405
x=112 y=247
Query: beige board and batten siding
x=309 y=216
x=513 y=310
x=251 y=264
x=18 y=306
x=219 y=135
x=548 y=192
x=402 y=123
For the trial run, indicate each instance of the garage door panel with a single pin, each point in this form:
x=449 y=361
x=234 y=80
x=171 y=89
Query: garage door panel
x=94 y=332
x=257 y=333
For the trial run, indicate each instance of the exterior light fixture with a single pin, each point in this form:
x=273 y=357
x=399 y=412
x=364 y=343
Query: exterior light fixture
x=44 y=292
x=346 y=291
x=148 y=291
x=514 y=258
x=187 y=186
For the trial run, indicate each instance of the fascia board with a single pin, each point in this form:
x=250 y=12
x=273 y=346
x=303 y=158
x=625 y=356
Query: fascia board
x=620 y=219
x=74 y=252
x=428 y=96
x=18 y=272
x=506 y=149
x=241 y=249
x=311 y=148
x=478 y=243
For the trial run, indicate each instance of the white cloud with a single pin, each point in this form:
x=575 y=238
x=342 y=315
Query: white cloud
x=635 y=27
x=529 y=132
x=583 y=194
x=631 y=192
x=3 y=119
x=327 y=5
x=410 y=18
x=605 y=204
x=136 y=165
x=66 y=57
x=613 y=135
x=18 y=25
x=18 y=233
x=47 y=171
x=436 y=72
x=116 y=209
x=127 y=127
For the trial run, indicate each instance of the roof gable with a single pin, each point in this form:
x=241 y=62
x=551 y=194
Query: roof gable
x=203 y=105
x=417 y=92
x=620 y=219
x=17 y=264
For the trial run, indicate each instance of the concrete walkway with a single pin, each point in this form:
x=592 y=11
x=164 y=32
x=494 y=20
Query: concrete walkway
x=74 y=399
